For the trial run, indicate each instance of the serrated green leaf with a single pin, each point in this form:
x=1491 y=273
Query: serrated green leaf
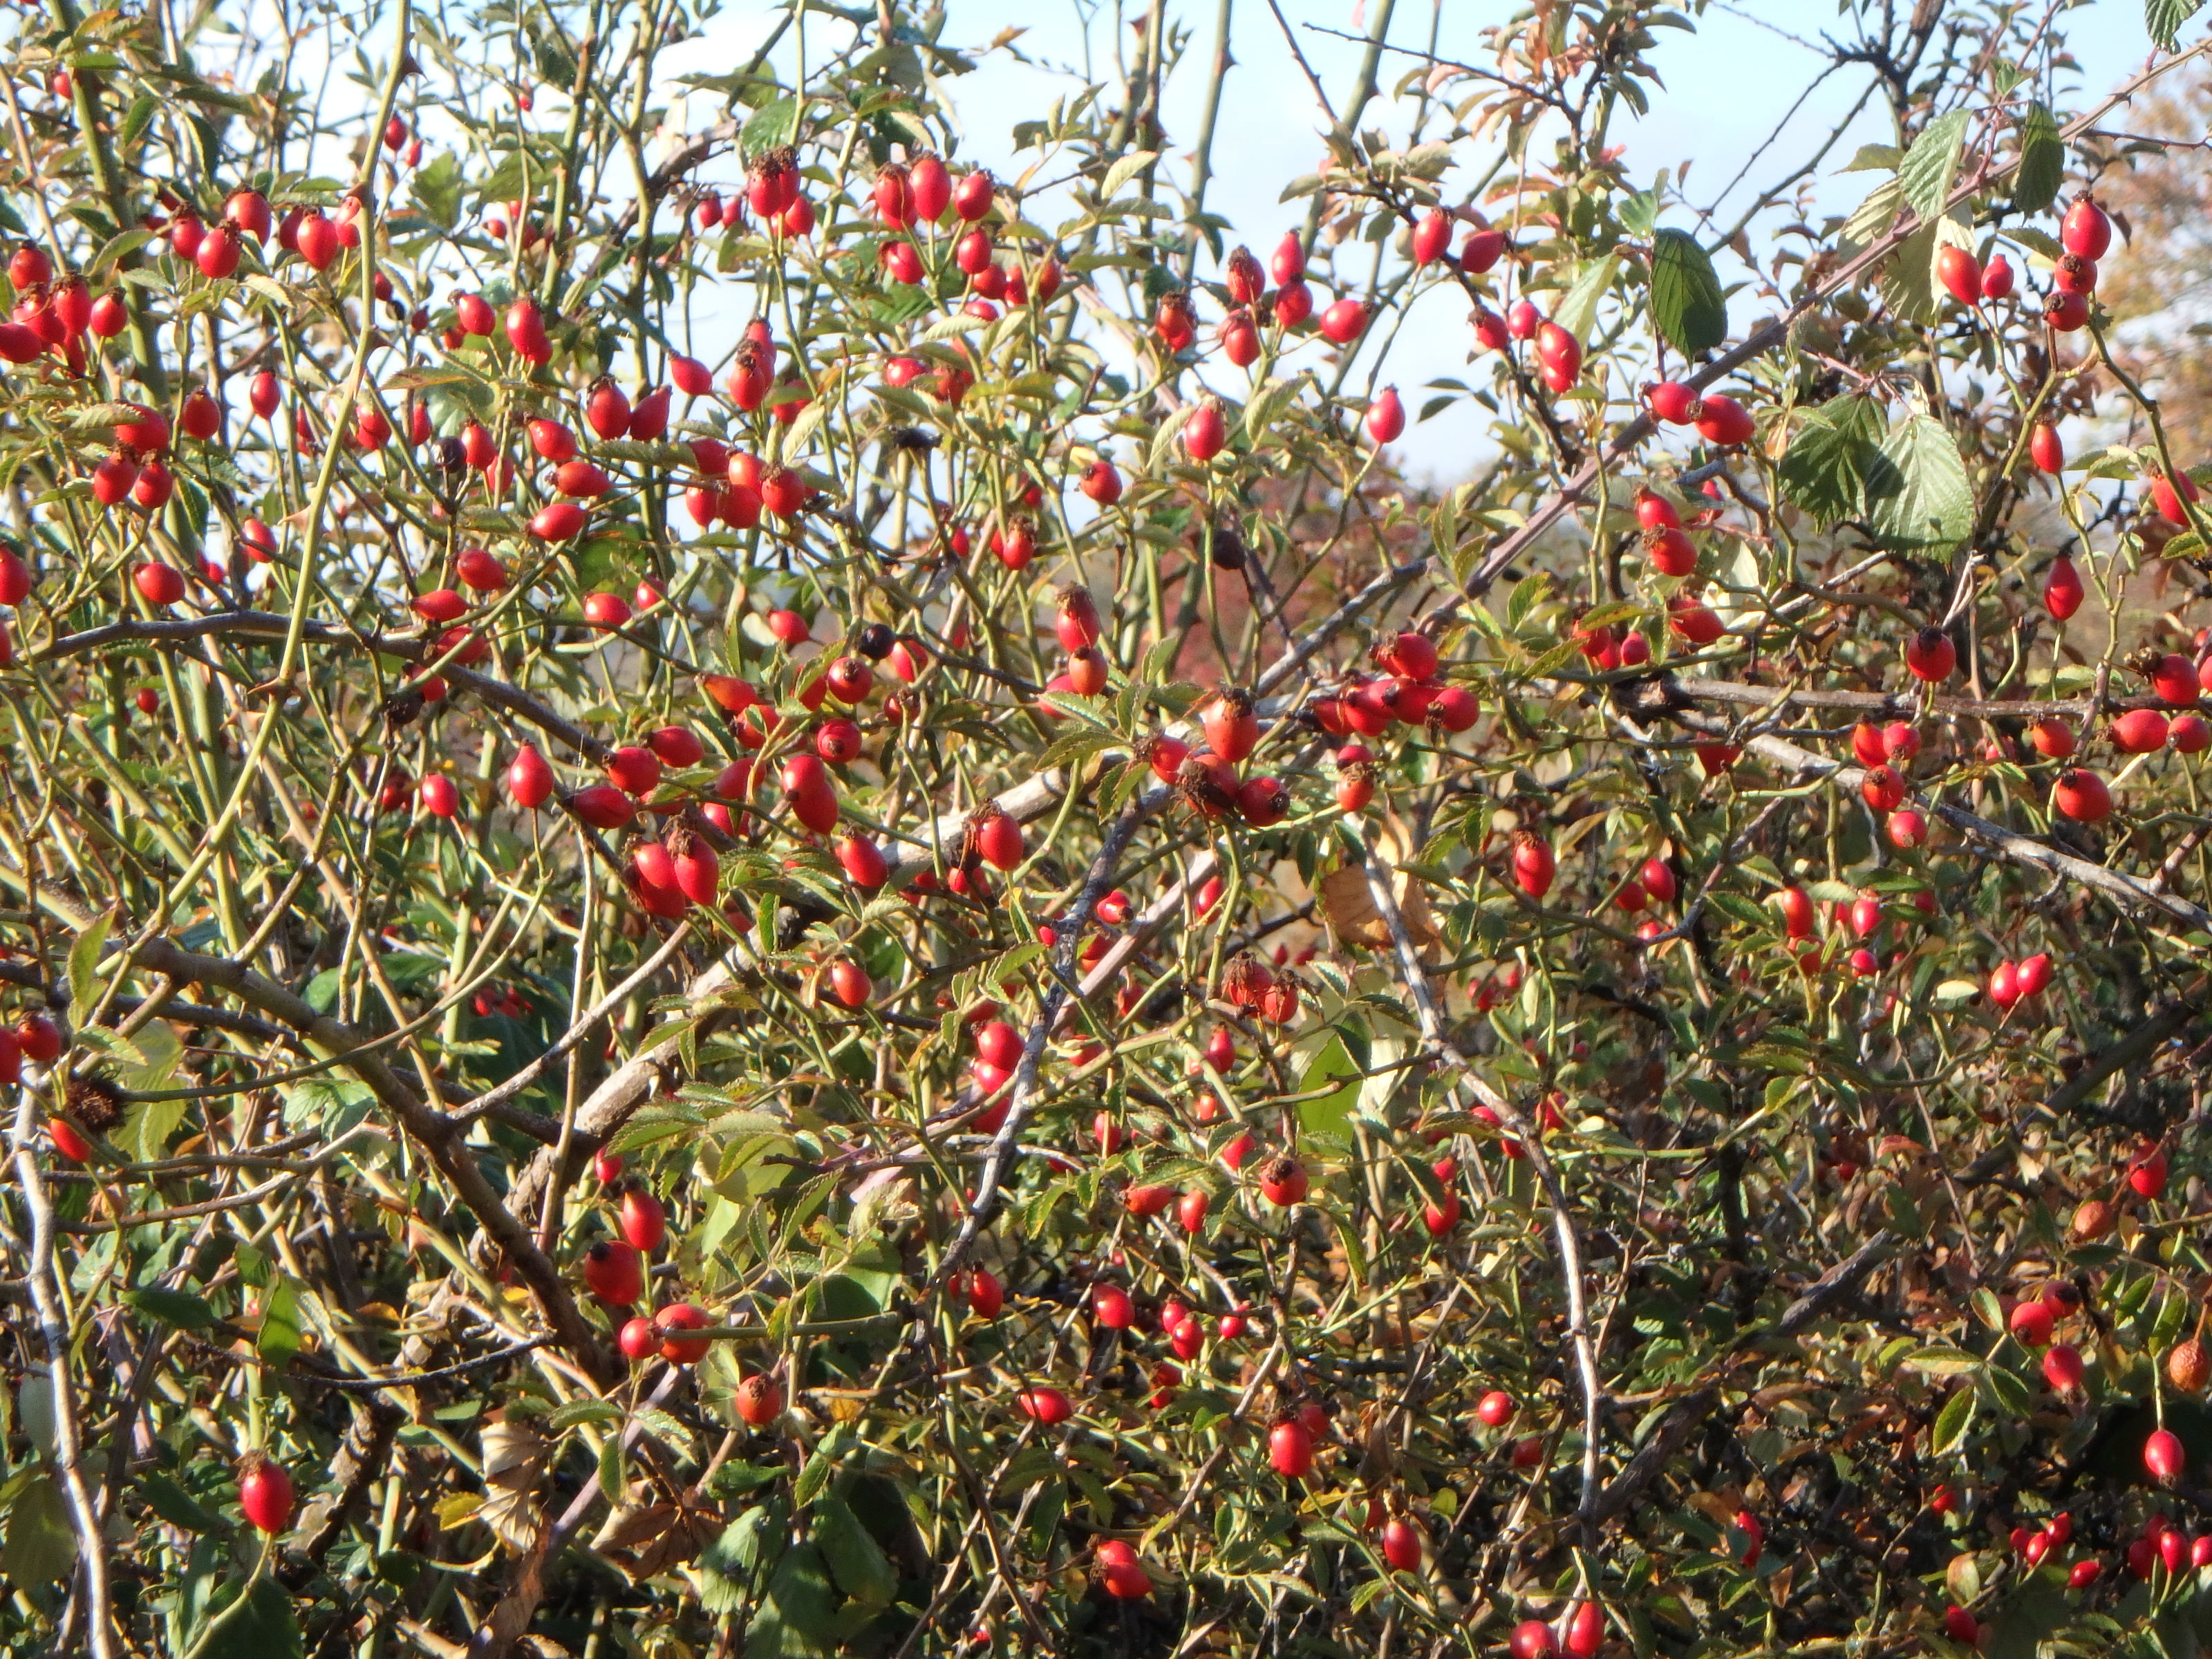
x=1124 y=170
x=813 y=1477
x=137 y=120
x=581 y=1411
x=159 y=1052
x=610 y=1469
x=279 y=1338
x=83 y=965
x=1873 y=158
x=1873 y=216
x=1962 y=1577
x=1074 y=746
x=1908 y=277
x=1917 y=492
x=1932 y=163
x=1952 y=1422
x=2164 y=19
x=1687 y=306
x=1824 y=471
x=1577 y=312
x=855 y=1561
x=1329 y=1114
x=1943 y=1362
x=178 y=1308
x=268 y=1628
x=115 y=247
x=798 y=1615
x=2042 y=161
x=1266 y=403
x=333 y=1104
x=437 y=190
x=1161 y=450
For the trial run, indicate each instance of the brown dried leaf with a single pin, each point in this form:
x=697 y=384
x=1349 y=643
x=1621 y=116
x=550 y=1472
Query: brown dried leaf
x=1715 y=1508
x=1349 y=908
x=513 y=1459
x=646 y=1540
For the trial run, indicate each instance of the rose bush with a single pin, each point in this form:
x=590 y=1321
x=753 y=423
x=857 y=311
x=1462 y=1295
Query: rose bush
x=762 y=895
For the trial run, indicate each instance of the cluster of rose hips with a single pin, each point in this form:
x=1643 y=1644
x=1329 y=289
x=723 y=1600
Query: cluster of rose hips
x=1534 y=866
x=2085 y=234
x=614 y=1271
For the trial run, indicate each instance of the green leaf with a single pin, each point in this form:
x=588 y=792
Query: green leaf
x=1943 y=1362
x=797 y=1618
x=174 y=1504
x=1932 y=163
x=611 y=1468
x=1952 y=1422
x=581 y=1411
x=40 y=1547
x=2164 y=19
x=1124 y=170
x=1873 y=217
x=1329 y=1114
x=1824 y=471
x=773 y=122
x=180 y=1308
x=556 y=66
x=333 y=1105
x=1687 y=302
x=148 y=1124
x=267 y=1628
x=2022 y=1627
x=735 y=1479
x=83 y=965
x=34 y=1409
x=1918 y=493
x=1873 y=158
x=1577 y=312
x=1265 y=403
x=116 y=246
x=1963 y=1577
x=2042 y=161
x=139 y=116
x=438 y=188
x=724 y=1564
x=1908 y=277
x=279 y=1339
x=855 y=1561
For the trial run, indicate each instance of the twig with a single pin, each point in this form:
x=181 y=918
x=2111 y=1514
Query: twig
x=53 y=1333
x=1569 y=1244
x=578 y=1029
x=1022 y=1092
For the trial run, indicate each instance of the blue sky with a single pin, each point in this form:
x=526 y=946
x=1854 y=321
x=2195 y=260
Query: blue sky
x=1726 y=89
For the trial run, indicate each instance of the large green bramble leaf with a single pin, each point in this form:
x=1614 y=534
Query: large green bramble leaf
x=1824 y=471
x=855 y=1561
x=2164 y=19
x=1918 y=493
x=2042 y=161
x=1686 y=302
x=797 y=1620
x=1932 y=163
